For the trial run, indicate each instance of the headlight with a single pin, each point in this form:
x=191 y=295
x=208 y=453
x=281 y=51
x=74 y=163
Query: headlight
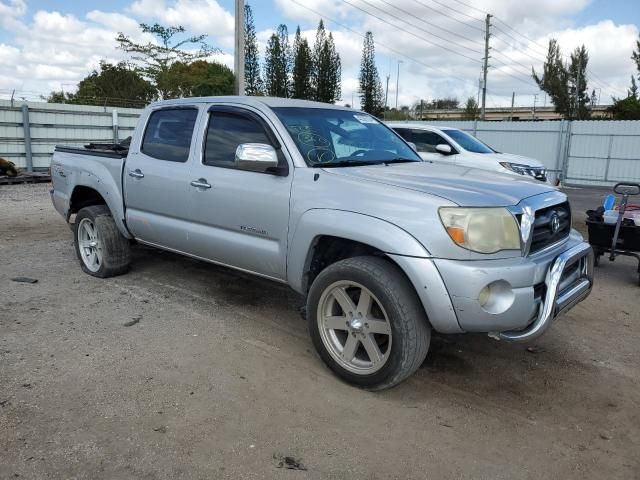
x=482 y=230
x=517 y=167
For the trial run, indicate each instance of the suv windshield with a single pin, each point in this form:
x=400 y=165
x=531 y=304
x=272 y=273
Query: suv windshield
x=469 y=143
x=331 y=137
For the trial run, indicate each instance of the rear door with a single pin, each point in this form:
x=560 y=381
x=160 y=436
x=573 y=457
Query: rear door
x=239 y=218
x=156 y=186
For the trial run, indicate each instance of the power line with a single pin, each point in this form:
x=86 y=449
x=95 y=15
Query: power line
x=397 y=52
x=533 y=42
x=428 y=23
x=450 y=16
x=411 y=33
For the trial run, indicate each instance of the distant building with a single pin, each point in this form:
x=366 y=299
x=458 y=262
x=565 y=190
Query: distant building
x=503 y=114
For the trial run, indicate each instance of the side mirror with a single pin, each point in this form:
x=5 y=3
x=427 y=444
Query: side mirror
x=413 y=145
x=256 y=157
x=444 y=149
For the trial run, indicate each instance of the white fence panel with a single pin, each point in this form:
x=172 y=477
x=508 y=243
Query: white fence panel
x=51 y=124
x=599 y=152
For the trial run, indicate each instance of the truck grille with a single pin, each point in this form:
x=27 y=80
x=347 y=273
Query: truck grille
x=551 y=225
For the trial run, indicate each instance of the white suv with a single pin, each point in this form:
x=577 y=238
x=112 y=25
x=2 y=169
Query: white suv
x=454 y=146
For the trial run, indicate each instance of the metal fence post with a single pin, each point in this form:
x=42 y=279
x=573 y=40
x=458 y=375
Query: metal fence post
x=475 y=127
x=114 y=123
x=608 y=164
x=558 y=165
x=26 y=127
x=566 y=154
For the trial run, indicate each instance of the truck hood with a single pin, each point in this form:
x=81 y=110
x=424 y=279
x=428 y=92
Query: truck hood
x=470 y=187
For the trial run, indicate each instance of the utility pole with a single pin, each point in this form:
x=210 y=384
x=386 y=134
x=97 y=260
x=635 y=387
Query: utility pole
x=398 y=83
x=386 y=94
x=487 y=34
x=239 y=48
x=513 y=99
x=577 y=100
x=535 y=99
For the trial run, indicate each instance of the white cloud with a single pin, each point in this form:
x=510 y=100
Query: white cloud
x=52 y=48
x=197 y=16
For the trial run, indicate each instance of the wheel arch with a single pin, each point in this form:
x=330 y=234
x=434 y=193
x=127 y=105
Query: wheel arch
x=324 y=236
x=86 y=195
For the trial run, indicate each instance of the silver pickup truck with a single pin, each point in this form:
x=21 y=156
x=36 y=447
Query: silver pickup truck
x=384 y=246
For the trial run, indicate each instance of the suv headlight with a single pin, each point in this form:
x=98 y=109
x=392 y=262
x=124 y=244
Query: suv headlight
x=517 y=168
x=482 y=230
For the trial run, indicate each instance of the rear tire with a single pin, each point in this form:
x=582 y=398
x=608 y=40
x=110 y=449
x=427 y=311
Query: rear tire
x=367 y=322
x=101 y=249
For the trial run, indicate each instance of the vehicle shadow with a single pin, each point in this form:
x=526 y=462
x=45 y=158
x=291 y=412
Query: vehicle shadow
x=548 y=378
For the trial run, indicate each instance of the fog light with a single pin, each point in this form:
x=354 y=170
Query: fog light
x=496 y=297
x=483 y=297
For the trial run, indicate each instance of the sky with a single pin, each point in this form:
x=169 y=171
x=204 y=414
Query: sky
x=437 y=45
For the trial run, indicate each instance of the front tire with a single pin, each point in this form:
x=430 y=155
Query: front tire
x=367 y=323
x=102 y=250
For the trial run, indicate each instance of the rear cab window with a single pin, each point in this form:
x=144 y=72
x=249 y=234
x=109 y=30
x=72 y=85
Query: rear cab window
x=168 y=134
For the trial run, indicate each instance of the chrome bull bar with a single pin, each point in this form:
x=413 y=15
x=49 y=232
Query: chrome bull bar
x=562 y=293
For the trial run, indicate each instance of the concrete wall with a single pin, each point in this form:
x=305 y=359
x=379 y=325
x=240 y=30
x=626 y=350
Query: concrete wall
x=51 y=124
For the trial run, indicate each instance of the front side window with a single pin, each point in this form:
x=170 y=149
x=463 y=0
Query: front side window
x=469 y=143
x=426 y=141
x=225 y=132
x=168 y=134
x=333 y=137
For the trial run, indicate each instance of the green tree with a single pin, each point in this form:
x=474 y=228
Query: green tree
x=554 y=79
x=627 y=108
x=155 y=58
x=113 y=85
x=253 y=79
x=566 y=85
x=327 y=68
x=579 y=98
x=198 y=79
x=371 y=96
x=635 y=56
x=446 y=103
x=471 y=109
x=276 y=66
x=302 y=68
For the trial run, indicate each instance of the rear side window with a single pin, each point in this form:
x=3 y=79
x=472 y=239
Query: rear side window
x=168 y=134
x=225 y=132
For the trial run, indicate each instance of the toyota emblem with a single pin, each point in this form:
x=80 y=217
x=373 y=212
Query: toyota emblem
x=555 y=223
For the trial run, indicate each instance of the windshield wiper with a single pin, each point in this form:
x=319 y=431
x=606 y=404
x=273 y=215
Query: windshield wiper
x=347 y=163
x=399 y=160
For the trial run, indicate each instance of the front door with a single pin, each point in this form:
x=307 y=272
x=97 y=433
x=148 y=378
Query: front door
x=156 y=178
x=426 y=142
x=239 y=218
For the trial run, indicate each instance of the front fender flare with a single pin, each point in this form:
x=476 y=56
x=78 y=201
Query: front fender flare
x=372 y=231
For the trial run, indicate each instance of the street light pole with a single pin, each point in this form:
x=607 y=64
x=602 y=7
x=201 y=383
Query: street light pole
x=398 y=83
x=239 y=48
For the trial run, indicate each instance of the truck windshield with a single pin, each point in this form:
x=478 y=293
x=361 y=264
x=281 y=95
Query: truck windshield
x=469 y=143
x=331 y=138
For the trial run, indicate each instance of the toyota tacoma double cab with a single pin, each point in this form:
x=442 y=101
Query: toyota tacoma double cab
x=386 y=247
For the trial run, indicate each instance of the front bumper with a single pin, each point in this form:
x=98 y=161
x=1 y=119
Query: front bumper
x=526 y=293
x=568 y=282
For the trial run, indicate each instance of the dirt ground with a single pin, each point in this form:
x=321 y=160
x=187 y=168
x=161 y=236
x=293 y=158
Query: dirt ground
x=218 y=379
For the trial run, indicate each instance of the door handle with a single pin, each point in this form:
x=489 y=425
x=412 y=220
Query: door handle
x=200 y=183
x=136 y=173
